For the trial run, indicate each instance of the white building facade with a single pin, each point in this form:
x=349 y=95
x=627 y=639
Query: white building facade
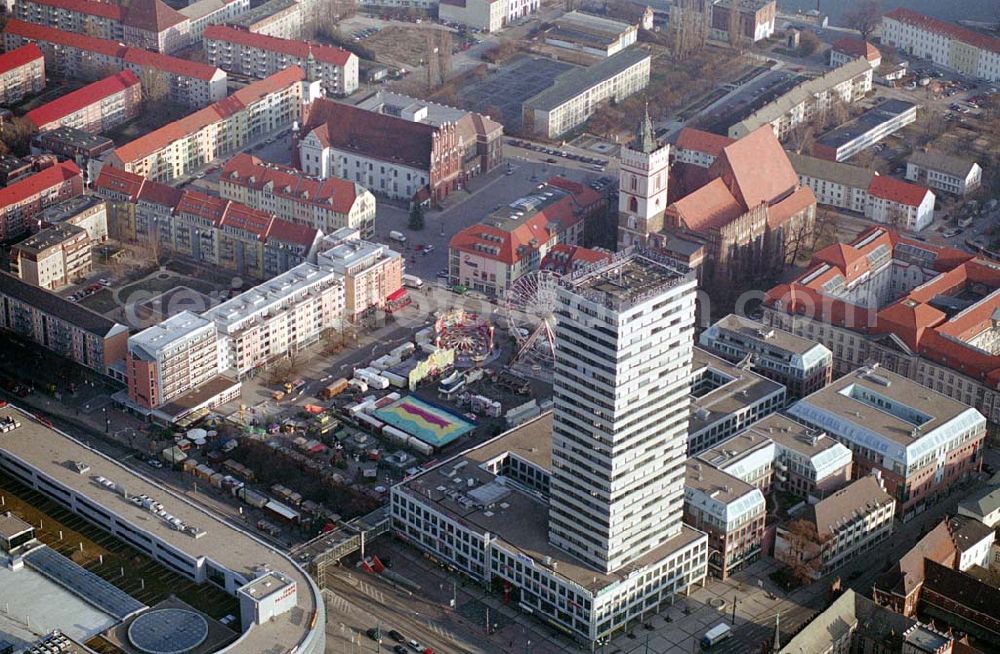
x=946 y=44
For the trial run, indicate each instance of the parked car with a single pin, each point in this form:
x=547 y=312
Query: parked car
x=374 y=634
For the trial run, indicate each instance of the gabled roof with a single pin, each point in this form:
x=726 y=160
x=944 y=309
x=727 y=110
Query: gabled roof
x=19 y=56
x=690 y=138
x=88 y=7
x=333 y=193
x=710 y=207
x=566 y=259
x=857 y=48
x=168 y=64
x=842 y=256
x=34 y=32
x=942 y=162
x=28 y=187
x=50 y=303
x=862 y=495
x=119 y=182
x=951 y=30
x=295 y=48
x=756 y=168
x=70 y=103
x=151 y=16
x=894 y=190
x=908 y=573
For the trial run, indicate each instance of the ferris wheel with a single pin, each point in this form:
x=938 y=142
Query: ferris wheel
x=530 y=309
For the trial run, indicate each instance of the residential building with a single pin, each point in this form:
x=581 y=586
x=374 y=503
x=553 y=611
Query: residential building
x=153 y=25
x=21 y=201
x=565 y=259
x=480 y=136
x=577 y=93
x=747 y=456
x=800 y=365
x=973 y=541
x=13 y=169
x=170 y=359
x=643 y=180
x=808 y=463
x=754 y=23
x=848 y=49
x=919 y=310
x=88 y=212
x=853 y=623
x=56 y=324
x=202 y=13
x=259 y=56
x=730 y=511
x=424 y=5
x=484 y=15
x=944 y=172
x=834 y=184
x=900 y=205
x=278 y=18
x=183 y=146
x=552 y=531
x=189 y=83
x=810 y=99
x=919 y=441
x=277 y=318
x=97 y=107
x=591 y=34
x=371 y=272
x=699 y=148
x=983 y=505
x=326 y=204
x=398 y=156
x=845 y=141
x=493 y=254
x=969 y=52
x=849 y=523
x=22 y=72
x=52 y=258
x=72 y=143
x=751 y=217
x=725 y=400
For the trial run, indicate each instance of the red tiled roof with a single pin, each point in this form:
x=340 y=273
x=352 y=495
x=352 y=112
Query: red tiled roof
x=857 y=48
x=565 y=259
x=158 y=139
x=89 y=7
x=168 y=64
x=583 y=196
x=756 y=168
x=700 y=141
x=32 y=185
x=331 y=193
x=710 y=207
x=842 y=256
x=151 y=16
x=161 y=194
x=908 y=320
x=294 y=233
x=35 y=32
x=301 y=49
x=778 y=214
x=952 y=30
x=19 y=57
x=63 y=106
x=115 y=180
x=894 y=190
x=376 y=135
x=242 y=217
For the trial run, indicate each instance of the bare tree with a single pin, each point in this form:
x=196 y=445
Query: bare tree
x=804 y=556
x=808 y=44
x=865 y=18
x=155 y=86
x=16 y=134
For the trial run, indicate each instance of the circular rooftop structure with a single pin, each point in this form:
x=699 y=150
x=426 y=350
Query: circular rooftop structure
x=168 y=631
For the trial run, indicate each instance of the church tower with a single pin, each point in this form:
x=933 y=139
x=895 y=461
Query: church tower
x=642 y=186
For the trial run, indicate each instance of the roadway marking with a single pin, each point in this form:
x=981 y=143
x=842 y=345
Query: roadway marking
x=440 y=631
x=333 y=600
x=372 y=592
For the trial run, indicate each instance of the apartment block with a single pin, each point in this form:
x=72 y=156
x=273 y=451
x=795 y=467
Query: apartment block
x=747 y=456
x=699 y=148
x=847 y=140
x=511 y=242
x=848 y=49
x=969 y=52
x=278 y=18
x=326 y=204
x=372 y=272
x=848 y=84
x=800 y=365
x=69 y=330
x=203 y=13
x=944 y=172
x=726 y=399
x=732 y=512
x=900 y=205
x=836 y=530
x=52 y=258
x=920 y=310
x=919 y=441
x=835 y=184
x=576 y=94
x=96 y=108
x=277 y=318
x=257 y=55
x=70 y=55
x=22 y=72
x=170 y=359
x=13 y=168
x=74 y=144
x=21 y=201
x=88 y=212
x=209 y=134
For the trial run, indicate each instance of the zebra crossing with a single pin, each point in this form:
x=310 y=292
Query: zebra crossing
x=336 y=602
x=371 y=591
x=439 y=630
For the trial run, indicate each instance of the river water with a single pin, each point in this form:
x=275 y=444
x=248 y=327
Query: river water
x=986 y=11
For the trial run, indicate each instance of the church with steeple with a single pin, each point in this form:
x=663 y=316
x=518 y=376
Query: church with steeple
x=642 y=186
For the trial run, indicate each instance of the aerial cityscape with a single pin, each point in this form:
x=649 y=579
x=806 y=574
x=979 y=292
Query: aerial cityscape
x=499 y=327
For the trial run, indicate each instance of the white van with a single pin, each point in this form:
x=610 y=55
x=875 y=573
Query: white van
x=412 y=281
x=399 y=237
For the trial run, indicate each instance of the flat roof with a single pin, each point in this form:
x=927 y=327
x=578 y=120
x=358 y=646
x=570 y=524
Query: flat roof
x=68 y=208
x=744 y=388
x=49 y=237
x=175 y=329
x=520 y=519
x=735 y=449
x=774 y=337
x=266 y=10
x=793 y=435
x=870 y=120
x=574 y=82
x=75 y=137
x=11 y=525
x=626 y=280
x=50 y=451
x=197 y=396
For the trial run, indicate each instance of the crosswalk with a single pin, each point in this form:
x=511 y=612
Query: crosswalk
x=440 y=631
x=371 y=591
x=336 y=602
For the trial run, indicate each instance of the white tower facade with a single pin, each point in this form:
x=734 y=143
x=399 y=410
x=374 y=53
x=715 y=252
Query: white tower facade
x=642 y=186
x=624 y=339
